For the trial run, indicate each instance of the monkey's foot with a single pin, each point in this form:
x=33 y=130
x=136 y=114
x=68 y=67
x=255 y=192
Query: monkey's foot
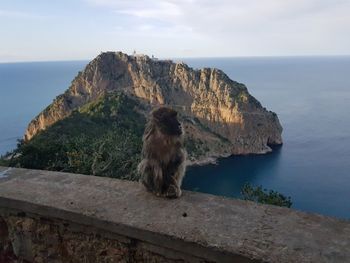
x=173 y=192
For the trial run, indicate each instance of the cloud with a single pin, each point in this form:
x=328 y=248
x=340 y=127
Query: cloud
x=151 y=31
x=261 y=25
x=228 y=15
x=162 y=11
x=189 y=27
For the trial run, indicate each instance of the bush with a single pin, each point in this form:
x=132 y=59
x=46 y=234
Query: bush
x=103 y=138
x=264 y=196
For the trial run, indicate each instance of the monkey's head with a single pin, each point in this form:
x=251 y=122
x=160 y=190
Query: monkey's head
x=166 y=120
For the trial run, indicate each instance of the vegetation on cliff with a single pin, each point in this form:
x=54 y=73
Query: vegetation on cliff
x=102 y=138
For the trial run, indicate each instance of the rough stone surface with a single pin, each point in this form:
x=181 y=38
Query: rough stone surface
x=215 y=228
x=219 y=111
x=38 y=239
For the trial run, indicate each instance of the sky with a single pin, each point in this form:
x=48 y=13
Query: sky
x=40 y=30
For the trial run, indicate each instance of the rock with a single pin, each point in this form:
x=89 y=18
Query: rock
x=219 y=114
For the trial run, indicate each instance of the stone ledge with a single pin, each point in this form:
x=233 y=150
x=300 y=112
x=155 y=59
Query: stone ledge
x=214 y=228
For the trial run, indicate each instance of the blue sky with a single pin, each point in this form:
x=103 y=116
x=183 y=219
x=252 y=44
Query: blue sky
x=80 y=29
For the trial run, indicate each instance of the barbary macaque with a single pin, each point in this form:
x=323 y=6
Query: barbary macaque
x=163 y=163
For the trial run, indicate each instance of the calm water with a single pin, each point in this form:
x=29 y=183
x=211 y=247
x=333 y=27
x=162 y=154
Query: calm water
x=25 y=90
x=310 y=95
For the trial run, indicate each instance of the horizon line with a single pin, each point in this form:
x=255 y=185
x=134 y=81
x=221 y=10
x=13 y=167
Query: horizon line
x=177 y=58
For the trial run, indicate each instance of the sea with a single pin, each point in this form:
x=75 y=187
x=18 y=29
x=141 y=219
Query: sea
x=311 y=96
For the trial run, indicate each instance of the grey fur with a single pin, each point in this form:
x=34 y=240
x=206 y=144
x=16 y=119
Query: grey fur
x=163 y=163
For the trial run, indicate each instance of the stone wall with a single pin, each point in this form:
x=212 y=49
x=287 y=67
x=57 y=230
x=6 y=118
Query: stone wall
x=36 y=239
x=59 y=217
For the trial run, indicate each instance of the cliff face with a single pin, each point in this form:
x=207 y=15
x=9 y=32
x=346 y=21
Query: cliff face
x=219 y=114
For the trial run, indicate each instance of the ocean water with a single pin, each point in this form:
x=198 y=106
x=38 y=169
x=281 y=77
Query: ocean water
x=25 y=90
x=311 y=96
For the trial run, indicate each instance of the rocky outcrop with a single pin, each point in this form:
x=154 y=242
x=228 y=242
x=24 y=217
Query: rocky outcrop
x=218 y=112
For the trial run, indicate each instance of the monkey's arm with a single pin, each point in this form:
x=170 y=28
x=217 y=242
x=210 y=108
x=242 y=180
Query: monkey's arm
x=181 y=168
x=176 y=168
x=174 y=174
x=178 y=159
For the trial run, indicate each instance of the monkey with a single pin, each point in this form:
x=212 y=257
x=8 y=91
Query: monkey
x=163 y=162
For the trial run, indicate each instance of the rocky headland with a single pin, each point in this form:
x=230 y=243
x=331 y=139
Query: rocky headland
x=220 y=117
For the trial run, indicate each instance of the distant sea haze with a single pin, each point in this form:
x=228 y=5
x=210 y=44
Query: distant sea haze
x=311 y=96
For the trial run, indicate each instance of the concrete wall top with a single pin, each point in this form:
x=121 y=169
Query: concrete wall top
x=197 y=224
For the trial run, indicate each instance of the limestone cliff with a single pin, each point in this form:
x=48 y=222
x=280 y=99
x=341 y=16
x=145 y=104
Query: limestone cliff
x=220 y=116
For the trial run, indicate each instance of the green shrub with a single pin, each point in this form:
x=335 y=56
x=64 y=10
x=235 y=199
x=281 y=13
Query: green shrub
x=264 y=196
x=102 y=138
